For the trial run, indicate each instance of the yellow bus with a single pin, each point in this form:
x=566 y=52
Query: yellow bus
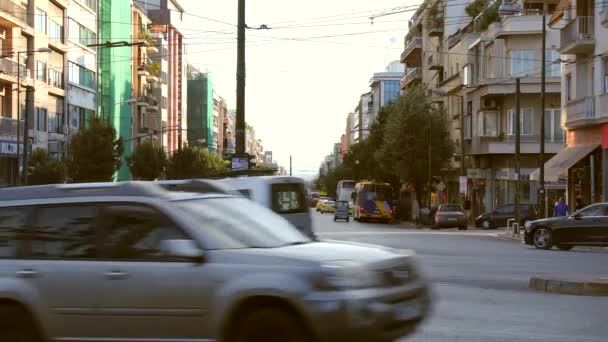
x=373 y=201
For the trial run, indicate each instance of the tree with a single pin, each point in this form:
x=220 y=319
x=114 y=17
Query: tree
x=474 y=8
x=94 y=153
x=148 y=161
x=412 y=127
x=43 y=169
x=194 y=162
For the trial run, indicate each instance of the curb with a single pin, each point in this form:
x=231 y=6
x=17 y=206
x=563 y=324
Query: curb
x=584 y=286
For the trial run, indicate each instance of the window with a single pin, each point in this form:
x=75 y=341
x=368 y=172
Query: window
x=288 y=198
x=41 y=119
x=568 y=86
x=553 y=125
x=81 y=76
x=80 y=34
x=11 y=223
x=595 y=210
x=91 y=4
x=467 y=78
x=65 y=232
x=40 y=22
x=468 y=127
x=79 y=116
x=522 y=62
x=506 y=209
x=605 y=78
x=55 y=78
x=55 y=31
x=526 y=121
x=163 y=77
x=488 y=124
x=163 y=102
x=552 y=67
x=41 y=71
x=56 y=123
x=391 y=91
x=136 y=232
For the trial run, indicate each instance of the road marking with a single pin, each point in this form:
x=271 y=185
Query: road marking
x=380 y=232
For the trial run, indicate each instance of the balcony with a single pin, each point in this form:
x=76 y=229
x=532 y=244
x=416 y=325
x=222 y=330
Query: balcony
x=412 y=49
x=435 y=60
x=577 y=37
x=411 y=75
x=436 y=27
x=582 y=108
x=8 y=70
x=524 y=24
x=14 y=15
x=604 y=17
x=8 y=126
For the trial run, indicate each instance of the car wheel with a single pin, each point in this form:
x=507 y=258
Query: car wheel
x=486 y=224
x=565 y=247
x=273 y=325
x=17 y=325
x=543 y=238
x=462 y=228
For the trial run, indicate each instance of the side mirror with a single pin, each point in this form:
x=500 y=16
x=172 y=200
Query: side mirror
x=577 y=216
x=183 y=249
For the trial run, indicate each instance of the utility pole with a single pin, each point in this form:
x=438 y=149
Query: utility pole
x=517 y=149
x=541 y=157
x=430 y=177
x=240 y=82
x=462 y=172
x=290 y=173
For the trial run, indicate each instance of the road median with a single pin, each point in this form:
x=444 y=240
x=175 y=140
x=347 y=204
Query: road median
x=584 y=286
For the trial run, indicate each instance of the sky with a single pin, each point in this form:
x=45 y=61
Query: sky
x=304 y=74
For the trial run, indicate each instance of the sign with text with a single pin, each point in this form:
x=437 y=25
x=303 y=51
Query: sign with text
x=240 y=163
x=463 y=184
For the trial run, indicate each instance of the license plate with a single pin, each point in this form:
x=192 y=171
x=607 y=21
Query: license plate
x=452 y=219
x=408 y=312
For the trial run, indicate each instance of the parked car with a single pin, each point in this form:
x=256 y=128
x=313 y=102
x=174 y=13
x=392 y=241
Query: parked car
x=342 y=211
x=450 y=215
x=500 y=216
x=328 y=206
x=118 y=261
x=284 y=195
x=586 y=227
x=320 y=204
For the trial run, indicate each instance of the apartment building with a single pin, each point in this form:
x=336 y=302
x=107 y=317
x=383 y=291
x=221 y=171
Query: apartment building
x=32 y=38
x=584 y=99
x=229 y=129
x=470 y=69
x=147 y=121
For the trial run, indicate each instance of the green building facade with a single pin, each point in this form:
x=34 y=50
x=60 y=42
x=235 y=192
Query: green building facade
x=115 y=73
x=200 y=110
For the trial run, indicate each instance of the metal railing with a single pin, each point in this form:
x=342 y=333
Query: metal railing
x=412 y=74
x=8 y=126
x=581 y=108
x=579 y=28
x=13 y=9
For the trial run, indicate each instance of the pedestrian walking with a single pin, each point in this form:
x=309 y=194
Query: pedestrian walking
x=579 y=203
x=561 y=208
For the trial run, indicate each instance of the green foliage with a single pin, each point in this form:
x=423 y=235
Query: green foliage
x=412 y=127
x=474 y=8
x=194 y=162
x=148 y=161
x=434 y=16
x=42 y=169
x=94 y=153
x=490 y=15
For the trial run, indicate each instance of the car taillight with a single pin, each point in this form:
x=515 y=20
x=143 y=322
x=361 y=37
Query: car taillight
x=361 y=210
x=439 y=214
x=391 y=211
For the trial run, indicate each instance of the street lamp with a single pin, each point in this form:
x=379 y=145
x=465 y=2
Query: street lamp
x=25 y=121
x=510 y=9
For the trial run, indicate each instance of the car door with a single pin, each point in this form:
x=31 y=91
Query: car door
x=580 y=228
x=597 y=233
x=59 y=264
x=146 y=294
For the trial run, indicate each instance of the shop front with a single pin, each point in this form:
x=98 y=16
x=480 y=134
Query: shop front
x=8 y=163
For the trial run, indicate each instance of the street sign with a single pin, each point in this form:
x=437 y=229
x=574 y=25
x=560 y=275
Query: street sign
x=240 y=163
x=463 y=184
x=440 y=186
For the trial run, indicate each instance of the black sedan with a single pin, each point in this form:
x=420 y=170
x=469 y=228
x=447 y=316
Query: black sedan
x=586 y=227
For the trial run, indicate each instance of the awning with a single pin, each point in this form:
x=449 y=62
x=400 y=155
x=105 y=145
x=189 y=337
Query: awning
x=559 y=11
x=558 y=166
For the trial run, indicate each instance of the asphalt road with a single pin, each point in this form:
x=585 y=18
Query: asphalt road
x=480 y=284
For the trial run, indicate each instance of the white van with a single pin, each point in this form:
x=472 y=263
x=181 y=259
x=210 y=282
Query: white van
x=285 y=195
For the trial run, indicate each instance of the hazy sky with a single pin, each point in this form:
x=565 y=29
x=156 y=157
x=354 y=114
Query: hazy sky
x=305 y=74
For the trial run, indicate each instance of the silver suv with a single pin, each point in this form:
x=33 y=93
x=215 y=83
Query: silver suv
x=133 y=262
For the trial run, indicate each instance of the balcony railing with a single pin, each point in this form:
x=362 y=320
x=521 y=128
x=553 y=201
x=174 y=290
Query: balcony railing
x=412 y=74
x=435 y=60
x=412 y=44
x=581 y=108
x=9 y=67
x=577 y=36
x=13 y=9
x=8 y=126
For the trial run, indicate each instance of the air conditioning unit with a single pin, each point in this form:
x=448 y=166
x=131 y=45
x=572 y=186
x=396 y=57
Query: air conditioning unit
x=489 y=103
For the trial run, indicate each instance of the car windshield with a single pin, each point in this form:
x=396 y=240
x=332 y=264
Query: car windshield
x=230 y=223
x=450 y=207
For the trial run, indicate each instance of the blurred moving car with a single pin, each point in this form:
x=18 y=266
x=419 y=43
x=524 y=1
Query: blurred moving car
x=320 y=204
x=214 y=266
x=328 y=206
x=586 y=227
x=500 y=216
x=284 y=195
x=450 y=215
x=341 y=212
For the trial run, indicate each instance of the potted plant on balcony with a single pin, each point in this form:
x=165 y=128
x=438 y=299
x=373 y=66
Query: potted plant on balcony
x=154 y=69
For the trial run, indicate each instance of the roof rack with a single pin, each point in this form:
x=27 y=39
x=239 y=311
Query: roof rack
x=144 y=189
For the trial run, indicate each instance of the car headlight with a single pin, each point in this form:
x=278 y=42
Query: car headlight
x=343 y=275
